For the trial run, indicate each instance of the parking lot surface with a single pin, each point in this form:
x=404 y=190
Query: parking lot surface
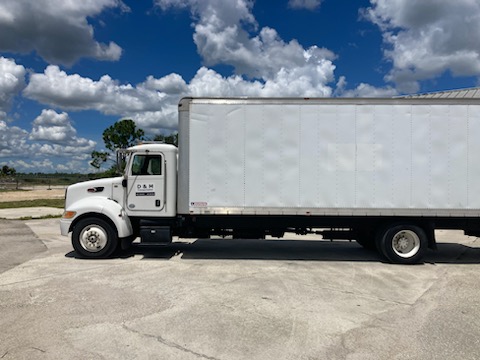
x=298 y=298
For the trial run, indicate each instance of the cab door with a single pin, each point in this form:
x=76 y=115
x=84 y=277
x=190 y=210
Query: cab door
x=146 y=182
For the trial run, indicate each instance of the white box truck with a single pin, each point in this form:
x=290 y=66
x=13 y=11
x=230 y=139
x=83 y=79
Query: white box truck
x=386 y=172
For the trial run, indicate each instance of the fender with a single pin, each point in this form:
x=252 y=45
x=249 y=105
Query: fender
x=98 y=205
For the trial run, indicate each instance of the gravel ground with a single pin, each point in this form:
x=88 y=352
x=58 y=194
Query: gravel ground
x=20 y=195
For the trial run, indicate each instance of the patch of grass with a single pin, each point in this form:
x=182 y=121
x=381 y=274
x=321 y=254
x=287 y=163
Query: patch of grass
x=41 y=217
x=55 y=203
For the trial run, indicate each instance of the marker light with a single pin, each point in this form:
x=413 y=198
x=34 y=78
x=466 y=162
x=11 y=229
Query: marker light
x=69 y=214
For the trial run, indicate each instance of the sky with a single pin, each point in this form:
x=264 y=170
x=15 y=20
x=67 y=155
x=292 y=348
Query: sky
x=70 y=69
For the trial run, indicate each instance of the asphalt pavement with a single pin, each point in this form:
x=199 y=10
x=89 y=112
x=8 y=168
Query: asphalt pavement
x=298 y=298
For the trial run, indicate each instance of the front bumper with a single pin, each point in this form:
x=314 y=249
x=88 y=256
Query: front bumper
x=65 y=226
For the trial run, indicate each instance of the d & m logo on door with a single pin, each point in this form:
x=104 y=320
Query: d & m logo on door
x=145 y=189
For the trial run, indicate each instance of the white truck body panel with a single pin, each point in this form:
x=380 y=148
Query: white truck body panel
x=387 y=157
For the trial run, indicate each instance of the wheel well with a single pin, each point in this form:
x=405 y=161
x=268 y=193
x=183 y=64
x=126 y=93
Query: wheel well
x=93 y=215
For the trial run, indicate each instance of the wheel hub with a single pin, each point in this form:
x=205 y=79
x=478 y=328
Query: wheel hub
x=406 y=243
x=93 y=238
x=402 y=243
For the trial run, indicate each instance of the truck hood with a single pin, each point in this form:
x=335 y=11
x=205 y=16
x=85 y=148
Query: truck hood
x=92 y=188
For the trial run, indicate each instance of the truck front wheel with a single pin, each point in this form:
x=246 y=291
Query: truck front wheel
x=403 y=244
x=94 y=238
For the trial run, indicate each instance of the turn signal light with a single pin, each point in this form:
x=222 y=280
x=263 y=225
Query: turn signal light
x=69 y=214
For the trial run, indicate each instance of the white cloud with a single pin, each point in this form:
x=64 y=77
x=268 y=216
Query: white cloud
x=13 y=140
x=170 y=84
x=222 y=35
x=57 y=30
x=12 y=81
x=47 y=166
x=77 y=166
x=73 y=92
x=426 y=38
x=79 y=151
x=52 y=142
x=146 y=102
x=363 y=90
x=305 y=4
x=33 y=165
x=57 y=128
x=208 y=82
x=50 y=126
x=221 y=11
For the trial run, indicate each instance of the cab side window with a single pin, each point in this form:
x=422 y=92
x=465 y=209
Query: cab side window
x=147 y=165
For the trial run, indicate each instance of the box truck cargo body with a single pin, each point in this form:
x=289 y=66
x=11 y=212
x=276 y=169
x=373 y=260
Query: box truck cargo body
x=385 y=172
x=329 y=157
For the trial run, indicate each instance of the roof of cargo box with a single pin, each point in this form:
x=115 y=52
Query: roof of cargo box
x=469 y=93
x=447 y=96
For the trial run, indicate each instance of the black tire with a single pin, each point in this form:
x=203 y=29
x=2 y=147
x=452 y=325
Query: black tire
x=94 y=238
x=402 y=243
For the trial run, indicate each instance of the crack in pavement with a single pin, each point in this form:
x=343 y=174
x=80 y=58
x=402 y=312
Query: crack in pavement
x=169 y=343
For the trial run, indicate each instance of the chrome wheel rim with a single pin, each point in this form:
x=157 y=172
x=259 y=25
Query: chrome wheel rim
x=406 y=243
x=93 y=238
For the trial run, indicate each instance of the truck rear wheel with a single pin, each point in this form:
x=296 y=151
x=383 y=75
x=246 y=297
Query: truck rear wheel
x=402 y=244
x=94 y=238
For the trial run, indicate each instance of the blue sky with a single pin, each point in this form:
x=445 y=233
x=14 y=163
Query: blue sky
x=70 y=69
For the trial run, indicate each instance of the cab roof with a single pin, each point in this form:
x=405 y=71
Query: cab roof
x=150 y=146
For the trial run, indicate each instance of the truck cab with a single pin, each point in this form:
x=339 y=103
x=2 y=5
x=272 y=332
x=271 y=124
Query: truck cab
x=105 y=214
x=150 y=181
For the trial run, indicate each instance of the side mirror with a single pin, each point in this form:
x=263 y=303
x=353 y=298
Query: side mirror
x=124 y=183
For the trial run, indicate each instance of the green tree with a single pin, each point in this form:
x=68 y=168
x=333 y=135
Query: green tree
x=99 y=158
x=8 y=171
x=120 y=135
x=168 y=139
